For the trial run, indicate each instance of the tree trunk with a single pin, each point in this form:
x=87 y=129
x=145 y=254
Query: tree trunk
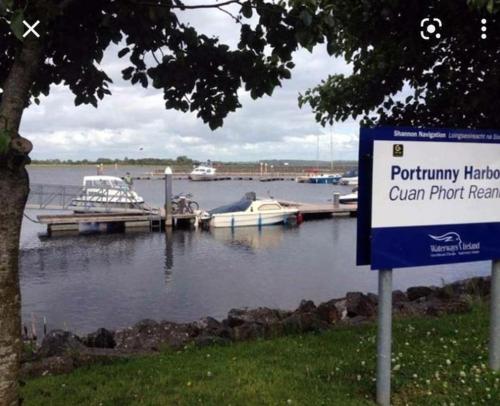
x=13 y=193
x=14 y=189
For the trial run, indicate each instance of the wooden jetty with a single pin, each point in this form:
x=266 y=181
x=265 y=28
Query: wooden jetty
x=111 y=222
x=155 y=221
x=322 y=210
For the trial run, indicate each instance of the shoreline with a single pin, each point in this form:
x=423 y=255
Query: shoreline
x=63 y=351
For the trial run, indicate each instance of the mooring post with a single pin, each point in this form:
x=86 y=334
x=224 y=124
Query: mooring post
x=494 y=350
x=384 y=337
x=336 y=200
x=168 y=197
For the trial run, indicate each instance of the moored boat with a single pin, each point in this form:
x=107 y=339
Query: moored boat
x=349 y=178
x=106 y=194
x=203 y=172
x=325 y=178
x=351 y=198
x=250 y=211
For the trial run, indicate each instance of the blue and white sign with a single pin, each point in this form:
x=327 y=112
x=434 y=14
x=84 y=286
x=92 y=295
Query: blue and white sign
x=428 y=196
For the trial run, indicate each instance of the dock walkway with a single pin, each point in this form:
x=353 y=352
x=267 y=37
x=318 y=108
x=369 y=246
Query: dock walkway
x=155 y=220
x=321 y=210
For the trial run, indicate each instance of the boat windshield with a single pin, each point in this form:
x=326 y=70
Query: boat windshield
x=240 y=205
x=106 y=184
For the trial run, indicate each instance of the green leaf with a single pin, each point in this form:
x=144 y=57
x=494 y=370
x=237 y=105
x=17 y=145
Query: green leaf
x=246 y=10
x=16 y=24
x=306 y=17
x=123 y=52
x=490 y=6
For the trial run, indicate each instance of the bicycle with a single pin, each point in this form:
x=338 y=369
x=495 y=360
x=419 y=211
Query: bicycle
x=183 y=203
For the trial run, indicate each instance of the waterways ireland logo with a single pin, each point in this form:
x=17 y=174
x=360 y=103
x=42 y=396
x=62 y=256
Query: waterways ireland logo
x=451 y=244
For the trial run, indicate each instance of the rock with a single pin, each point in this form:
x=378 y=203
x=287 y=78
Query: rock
x=417 y=292
x=341 y=305
x=248 y=331
x=145 y=325
x=207 y=340
x=461 y=304
x=372 y=297
x=102 y=338
x=356 y=320
x=211 y=327
x=303 y=322
x=409 y=309
x=146 y=337
x=306 y=306
x=261 y=315
x=59 y=342
x=329 y=312
x=358 y=304
x=478 y=286
x=398 y=297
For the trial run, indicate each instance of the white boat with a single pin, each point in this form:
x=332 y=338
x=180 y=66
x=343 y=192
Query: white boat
x=349 y=181
x=203 y=172
x=250 y=211
x=351 y=198
x=325 y=178
x=106 y=194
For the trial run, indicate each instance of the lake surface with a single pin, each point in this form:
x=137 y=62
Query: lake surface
x=85 y=282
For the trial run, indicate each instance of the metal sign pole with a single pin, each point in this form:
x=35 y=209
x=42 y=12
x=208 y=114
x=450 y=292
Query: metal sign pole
x=494 y=350
x=384 y=337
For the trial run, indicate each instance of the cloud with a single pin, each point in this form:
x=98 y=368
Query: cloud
x=133 y=122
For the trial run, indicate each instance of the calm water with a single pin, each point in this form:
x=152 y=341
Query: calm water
x=85 y=282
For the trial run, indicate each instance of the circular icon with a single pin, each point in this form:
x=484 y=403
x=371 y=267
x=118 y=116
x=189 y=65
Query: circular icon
x=430 y=27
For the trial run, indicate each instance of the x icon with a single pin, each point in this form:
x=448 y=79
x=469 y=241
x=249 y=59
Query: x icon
x=31 y=28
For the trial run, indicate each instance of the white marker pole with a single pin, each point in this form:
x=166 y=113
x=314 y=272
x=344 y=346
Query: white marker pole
x=384 y=337
x=168 y=197
x=494 y=350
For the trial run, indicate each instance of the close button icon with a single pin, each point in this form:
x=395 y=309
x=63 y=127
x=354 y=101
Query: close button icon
x=31 y=28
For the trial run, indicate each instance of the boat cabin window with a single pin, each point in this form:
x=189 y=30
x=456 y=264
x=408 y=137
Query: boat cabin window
x=269 y=206
x=105 y=184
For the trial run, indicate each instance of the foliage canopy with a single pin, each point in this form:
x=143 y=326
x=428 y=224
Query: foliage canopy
x=451 y=81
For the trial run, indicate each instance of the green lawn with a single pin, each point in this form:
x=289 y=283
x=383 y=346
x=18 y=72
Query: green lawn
x=436 y=362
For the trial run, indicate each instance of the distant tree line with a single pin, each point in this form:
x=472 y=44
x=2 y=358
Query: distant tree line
x=180 y=160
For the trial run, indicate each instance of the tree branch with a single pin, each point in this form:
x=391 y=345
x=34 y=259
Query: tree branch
x=229 y=14
x=183 y=6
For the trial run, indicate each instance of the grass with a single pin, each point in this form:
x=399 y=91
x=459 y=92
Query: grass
x=435 y=362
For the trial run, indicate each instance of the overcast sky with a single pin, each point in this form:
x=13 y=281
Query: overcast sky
x=133 y=122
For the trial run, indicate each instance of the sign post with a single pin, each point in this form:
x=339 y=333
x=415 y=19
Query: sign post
x=427 y=197
x=384 y=337
x=494 y=347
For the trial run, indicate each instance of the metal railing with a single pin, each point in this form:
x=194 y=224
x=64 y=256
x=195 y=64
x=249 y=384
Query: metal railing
x=102 y=199
x=52 y=197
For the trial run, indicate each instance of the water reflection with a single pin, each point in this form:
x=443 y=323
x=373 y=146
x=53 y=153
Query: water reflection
x=251 y=238
x=169 y=253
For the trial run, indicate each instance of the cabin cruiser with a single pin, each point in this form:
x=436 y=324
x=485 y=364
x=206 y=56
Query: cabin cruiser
x=325 y=178
x=203 y=172
x=106 y=194
x=349 y=178
x=349 y=181
x=250 y=211
x=351 y=198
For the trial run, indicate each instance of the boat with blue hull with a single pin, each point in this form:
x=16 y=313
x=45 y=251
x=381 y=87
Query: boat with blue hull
x=325 y=179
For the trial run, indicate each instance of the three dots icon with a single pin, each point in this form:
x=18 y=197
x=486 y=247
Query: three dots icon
x=483 y=28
